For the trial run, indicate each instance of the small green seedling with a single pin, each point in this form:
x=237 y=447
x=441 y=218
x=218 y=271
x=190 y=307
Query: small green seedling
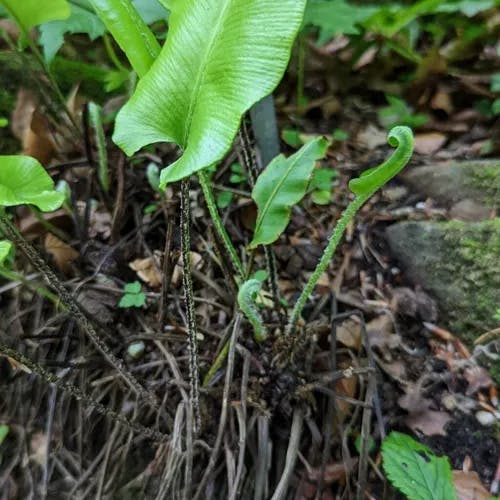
x=133 y=296
x=321 y=185
x=237 y=174
x=414 y=470
x=281 y=185
x=398 y=112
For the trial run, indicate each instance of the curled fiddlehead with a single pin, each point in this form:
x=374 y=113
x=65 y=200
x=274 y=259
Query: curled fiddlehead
x=246 y=300
x=363 y=187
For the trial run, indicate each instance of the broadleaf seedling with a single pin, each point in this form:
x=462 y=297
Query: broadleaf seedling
x=133 y=296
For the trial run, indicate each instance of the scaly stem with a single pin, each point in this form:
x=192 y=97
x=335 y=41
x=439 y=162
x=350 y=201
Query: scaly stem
x=219 y=226
x=333 y=242
x=187 y=282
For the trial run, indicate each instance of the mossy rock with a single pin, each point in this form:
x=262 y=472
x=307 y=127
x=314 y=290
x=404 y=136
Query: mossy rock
x=455 y=181
x=458 y=263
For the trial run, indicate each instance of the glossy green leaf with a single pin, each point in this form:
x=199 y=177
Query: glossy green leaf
x=220 y=57
x=130 y=32
x=30 y=13
x=414 y=470
x=280 y=186
x=5 y=248
x=24 y=181
x=374 y=178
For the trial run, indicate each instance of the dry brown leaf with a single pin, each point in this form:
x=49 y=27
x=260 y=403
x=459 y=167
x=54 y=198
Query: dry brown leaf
x=61 y=252
x=429 y=422
x=420 y=417
x=38 y=448
x=478 y=378
x=32 y=228
x=31 y=127
x=196 y=263
x=429 y=143
x=148 y=270
x=381 y=334
x=333 y=471
x=350 y=333
x=469 y=486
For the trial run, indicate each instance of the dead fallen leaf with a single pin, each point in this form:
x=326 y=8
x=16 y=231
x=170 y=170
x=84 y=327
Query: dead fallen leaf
x=429 y=143
x=469 y=486
x=32 y=227
x=420 y=417
x=38 y=448
x=380 y=331
x=31 y=127
x=148 y=270
x=429 y=422
x=333 y=471
x=61 y=252
x=350 y=333
x=196 y=263
x=478 y=378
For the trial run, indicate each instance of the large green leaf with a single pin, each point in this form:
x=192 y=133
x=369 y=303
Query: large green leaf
x=30 y=13
x=24 y=181
x=280 y=186
x=220 y=57
x=5 y=248
x=130 y=32
x=415 y=471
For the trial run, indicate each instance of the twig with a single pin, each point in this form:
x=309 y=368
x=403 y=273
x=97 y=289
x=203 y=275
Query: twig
x=224 y=411
x=291 y=455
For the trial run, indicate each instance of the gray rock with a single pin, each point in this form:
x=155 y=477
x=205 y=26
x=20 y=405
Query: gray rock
x=452 y=183
x=459 y=264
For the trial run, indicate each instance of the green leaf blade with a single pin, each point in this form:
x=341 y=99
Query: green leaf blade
x=24 y=181
x=281 y=185
x=415 y=471
x=221 y=57
x=30 y=13
x=130 y=32
x=5 y=249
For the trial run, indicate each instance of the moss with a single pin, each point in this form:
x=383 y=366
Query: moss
x=457 y=262
x=487 y=179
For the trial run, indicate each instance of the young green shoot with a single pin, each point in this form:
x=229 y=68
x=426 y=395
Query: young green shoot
x=363 y=187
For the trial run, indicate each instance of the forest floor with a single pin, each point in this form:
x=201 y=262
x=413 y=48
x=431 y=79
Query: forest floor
x=379 y=327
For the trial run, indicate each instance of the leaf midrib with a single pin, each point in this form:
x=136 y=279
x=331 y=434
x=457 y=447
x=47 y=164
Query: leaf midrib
x=201 y=73
x=278 y=187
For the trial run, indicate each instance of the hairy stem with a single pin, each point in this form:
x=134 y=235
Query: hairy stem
x=187 y=282
x=333 y=242
x=363 y=187
x=219 y=226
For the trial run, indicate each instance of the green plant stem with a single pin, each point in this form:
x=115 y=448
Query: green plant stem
x=218 y=224
x=13 y=277
x=333 y=242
